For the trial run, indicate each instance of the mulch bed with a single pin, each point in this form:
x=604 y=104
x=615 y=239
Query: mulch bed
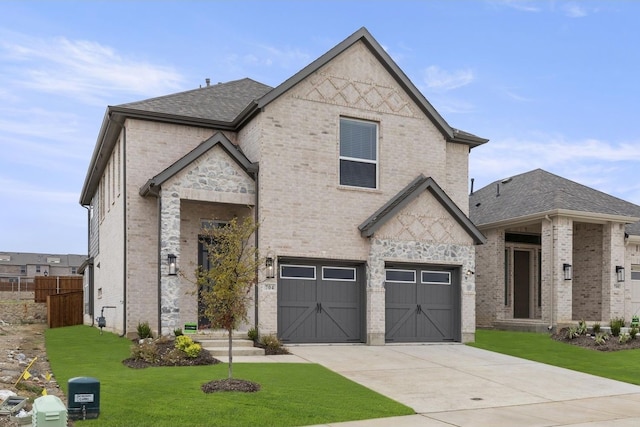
x=164 y=349
x=588 y=341
x=230 y=385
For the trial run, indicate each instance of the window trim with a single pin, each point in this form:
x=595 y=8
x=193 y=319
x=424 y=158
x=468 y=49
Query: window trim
x=282 y=266
x=357 y=159
x=422 y=281
x=400 y=281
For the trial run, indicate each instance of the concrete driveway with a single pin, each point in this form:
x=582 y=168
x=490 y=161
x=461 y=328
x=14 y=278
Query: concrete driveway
x=456 y=385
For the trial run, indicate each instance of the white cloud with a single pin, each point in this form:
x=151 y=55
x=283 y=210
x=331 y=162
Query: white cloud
x=14 y=190
x=573 y=10
x=80 y=69
x=603 y=165
x=288 y=58
x=521 y=5
x=441 y=80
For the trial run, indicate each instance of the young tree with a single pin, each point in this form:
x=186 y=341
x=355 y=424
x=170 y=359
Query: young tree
x=225 y=288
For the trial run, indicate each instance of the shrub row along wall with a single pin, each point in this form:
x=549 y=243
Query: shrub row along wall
x=21 y=311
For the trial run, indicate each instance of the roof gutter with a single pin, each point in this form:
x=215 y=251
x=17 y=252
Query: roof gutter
x=590 y=217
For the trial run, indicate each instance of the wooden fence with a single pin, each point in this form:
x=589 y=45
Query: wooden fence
x=16 y=285
x=45 y=286
x=64 y=309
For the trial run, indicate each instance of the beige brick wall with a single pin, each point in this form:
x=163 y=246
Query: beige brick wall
x=489 y=278
x=587 y=271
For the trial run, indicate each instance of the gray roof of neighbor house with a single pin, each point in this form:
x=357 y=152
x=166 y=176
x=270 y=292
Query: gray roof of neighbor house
x=540 y=193
x=29 y=258
x=228 y=106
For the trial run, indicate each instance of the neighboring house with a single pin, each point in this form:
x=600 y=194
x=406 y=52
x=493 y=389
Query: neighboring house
x=557 y=252
x=14 y=265
x=360 y=188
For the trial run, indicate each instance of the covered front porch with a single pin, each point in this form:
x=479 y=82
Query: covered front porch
x=552 y=272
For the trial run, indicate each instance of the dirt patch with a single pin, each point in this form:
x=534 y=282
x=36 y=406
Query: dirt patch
x=588 y=341
x=19 y=345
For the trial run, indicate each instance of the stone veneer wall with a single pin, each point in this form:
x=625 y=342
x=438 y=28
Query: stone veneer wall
x=215 y=178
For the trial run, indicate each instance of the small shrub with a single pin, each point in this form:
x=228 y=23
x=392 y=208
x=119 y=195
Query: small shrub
x=183 y=342
x=572 y=333
x=252 y=334
x=624 y=338
x=633 y=332
x=272 y=345
x=146 y=351
x=600 y=339
x=193 y=350
x=582 y=328
x=596 y=328
x=144 y=330
x=177 y=332
x=186 y=345
x=616 y=324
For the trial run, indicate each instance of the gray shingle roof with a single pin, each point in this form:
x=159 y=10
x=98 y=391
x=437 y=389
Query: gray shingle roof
x=222 y=102
x=538 y=192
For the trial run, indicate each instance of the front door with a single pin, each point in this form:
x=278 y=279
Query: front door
x=521 y=284
x=203 y=260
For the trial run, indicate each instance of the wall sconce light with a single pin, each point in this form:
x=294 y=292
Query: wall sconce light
x=172 y=264
x=270 y=268
x=620 y=273
x=470 y=273
x=566 y=268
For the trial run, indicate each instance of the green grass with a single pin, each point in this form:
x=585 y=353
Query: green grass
x=617 y=365
x=291 y=394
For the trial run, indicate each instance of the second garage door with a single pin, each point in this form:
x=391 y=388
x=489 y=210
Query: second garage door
x=422 y=304
x=320 y=302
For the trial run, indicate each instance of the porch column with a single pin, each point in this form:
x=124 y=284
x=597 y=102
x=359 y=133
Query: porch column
x=169 y=244
x=557 y=250
x=613 y=253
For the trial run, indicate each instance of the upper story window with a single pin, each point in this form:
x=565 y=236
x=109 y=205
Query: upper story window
x=358 y=153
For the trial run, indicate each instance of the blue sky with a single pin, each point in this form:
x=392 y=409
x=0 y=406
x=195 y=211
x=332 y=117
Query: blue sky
x=552 y=84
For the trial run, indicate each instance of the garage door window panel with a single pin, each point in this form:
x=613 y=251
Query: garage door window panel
x=436 y=277
x=400 y=276
x=341 y=274
x=298 y=272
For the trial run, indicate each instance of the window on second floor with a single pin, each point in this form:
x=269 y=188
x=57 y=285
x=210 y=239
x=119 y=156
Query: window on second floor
x=358 y=153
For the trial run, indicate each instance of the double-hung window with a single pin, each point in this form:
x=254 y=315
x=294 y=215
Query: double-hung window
x=358 y=153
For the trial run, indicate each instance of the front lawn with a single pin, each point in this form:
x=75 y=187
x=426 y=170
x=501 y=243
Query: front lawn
x=617 y=365
x=291 y=395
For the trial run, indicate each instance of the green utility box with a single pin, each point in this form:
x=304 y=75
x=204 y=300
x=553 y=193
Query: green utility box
x=84 y=398
x=48 y=411
x=190 y=328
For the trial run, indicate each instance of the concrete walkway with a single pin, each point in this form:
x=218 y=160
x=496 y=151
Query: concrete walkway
x=456 y=385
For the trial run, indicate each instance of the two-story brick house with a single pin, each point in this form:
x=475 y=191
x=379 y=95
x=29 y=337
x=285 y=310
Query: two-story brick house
x=358 y=184
x=557 y=252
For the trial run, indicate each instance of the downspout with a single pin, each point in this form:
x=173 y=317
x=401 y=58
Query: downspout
x=124 y=225
x=159 y=253
x=89 y=266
